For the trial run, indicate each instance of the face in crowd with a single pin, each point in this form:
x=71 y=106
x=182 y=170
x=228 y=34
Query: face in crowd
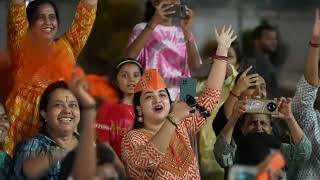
x=4 y=123
x=43 y=19
x=154 y=106
x=268 y=40
x=62 y=112
x=232 y=56
x=256 y=123
x=128 y=77
x=258 y=91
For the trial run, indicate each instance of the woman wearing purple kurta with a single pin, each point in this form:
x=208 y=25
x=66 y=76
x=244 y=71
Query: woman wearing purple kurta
x=160 y=44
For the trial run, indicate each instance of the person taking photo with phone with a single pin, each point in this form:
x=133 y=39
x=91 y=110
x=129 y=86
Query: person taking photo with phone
x=162 y=43
x=257 y=139
x=159 y=146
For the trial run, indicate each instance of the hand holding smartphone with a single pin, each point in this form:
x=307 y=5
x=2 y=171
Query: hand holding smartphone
x=180 y=11
x=187 y=87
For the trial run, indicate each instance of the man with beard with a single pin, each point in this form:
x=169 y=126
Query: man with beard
x=257 y=139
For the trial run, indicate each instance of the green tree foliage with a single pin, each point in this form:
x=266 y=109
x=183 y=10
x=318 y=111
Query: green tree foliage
x=108 y=40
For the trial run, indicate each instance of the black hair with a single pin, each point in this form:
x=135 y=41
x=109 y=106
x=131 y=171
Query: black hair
x=104 y=156
x=258 y=31
x=117 y=70
x=149 y=11
x=255 y=147
x=244 y=116
x=136 y=102
x=239 y=55
x=33 y=8
x=45 y=98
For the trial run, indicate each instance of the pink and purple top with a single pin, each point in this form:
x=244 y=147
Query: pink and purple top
x=166 y=51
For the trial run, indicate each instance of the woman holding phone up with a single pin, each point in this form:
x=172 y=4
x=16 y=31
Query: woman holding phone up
x=159 y=43
x=159 y=145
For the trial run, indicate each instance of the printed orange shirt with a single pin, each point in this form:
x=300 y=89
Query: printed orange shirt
x=145 y=161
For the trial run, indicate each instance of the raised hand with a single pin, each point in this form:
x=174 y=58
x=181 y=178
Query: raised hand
x=91 y=2
x=161 y=14
x=316 y=28
x=225 y=37
x=284 y=109
x=20 y=2
x=80 y=88
x=245 y=81
x=239 y=108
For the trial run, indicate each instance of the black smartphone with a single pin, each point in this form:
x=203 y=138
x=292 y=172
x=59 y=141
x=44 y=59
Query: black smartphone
x=187 y=87
x=180 y=11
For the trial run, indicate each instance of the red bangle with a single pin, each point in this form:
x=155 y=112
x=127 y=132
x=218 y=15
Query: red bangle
x=315 y=45
x=221 y=58
x=233 y=94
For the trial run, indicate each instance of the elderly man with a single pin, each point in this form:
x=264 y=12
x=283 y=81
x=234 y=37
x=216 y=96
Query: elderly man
x=257 y=139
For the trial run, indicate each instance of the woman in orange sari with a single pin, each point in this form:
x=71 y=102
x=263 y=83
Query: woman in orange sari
x=38 y=59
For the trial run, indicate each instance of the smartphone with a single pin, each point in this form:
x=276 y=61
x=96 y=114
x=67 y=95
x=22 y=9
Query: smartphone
x=264 y=106
x=180 y=11
x=187 y=87
x=239 y=172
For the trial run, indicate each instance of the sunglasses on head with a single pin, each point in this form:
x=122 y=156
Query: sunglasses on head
x=192 y=102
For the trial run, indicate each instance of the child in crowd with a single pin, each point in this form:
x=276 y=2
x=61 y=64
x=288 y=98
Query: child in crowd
x=163 y=44
x=114 y=120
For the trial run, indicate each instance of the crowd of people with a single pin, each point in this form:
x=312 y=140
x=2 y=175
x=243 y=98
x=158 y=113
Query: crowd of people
x=56 y=122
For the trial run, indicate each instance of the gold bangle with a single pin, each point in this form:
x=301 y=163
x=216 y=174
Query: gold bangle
x=173 y=120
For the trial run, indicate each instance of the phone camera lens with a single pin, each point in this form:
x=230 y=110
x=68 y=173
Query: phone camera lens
x=271 y=107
